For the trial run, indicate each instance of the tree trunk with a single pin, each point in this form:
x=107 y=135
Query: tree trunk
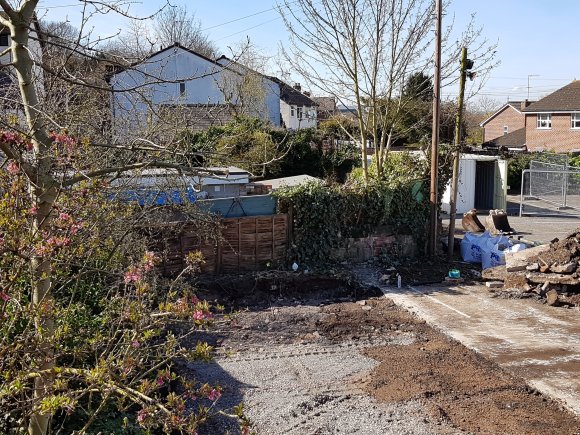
x=43 y=193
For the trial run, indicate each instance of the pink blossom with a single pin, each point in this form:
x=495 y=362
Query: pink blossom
x=65 y=217
x=4 y=297
x=136 y=343
x=33 y=210
x=198 y=315
x=13 y=167
x=214 y=395
x=149 y=260
x=194 y=300
x=134 y=274
x=142 y=415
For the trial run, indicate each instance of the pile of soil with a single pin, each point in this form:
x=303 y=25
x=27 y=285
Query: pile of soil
x=562 y=251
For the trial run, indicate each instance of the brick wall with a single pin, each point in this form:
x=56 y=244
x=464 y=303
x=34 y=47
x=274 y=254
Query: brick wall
x=560 y=138
x=366 y=248
x=508 y=116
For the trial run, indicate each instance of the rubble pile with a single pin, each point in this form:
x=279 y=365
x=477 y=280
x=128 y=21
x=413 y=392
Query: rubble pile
x=552 y=272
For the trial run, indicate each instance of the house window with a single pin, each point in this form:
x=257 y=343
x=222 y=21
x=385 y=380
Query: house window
x=182 y=89
x=544 y=120
x=299 y=112
x=292 y=108
x=505 y=130
x=575 y=118
x=4 y=40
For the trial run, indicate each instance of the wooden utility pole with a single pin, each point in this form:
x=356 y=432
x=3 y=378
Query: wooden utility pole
x=433 y=192
x=455 y=177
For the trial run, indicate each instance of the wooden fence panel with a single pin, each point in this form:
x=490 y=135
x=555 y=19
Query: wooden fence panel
x=248 y=244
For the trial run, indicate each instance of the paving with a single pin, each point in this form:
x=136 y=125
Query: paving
x=538 y=343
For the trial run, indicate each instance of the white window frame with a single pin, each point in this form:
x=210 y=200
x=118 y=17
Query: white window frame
x=299 y=112
x=575 y=121
x=292 y=110
x=506 y=130
x=544 y=121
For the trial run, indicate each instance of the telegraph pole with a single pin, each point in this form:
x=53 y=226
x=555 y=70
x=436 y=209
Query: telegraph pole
x=465 y=65
x=433 y=192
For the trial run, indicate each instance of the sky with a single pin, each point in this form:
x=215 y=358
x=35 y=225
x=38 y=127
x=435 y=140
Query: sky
x=535 y=38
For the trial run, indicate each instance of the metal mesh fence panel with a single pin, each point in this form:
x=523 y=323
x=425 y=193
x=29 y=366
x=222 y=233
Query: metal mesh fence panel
x=550 y=186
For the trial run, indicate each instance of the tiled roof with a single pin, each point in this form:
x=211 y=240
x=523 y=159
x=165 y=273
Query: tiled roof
x=564 y=99
x=516 y=138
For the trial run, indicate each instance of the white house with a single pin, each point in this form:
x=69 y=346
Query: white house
x=176 y=77
x=297 y=109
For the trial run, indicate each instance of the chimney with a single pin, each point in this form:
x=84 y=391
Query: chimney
x=525 y=104
x=297 y=87
x=307 y=93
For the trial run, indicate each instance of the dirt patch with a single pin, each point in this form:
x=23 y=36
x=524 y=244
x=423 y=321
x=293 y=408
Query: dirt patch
x=462 y=388
x=278 y=355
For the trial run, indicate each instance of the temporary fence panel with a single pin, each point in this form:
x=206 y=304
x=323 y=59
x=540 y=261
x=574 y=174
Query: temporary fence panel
x=550 y=187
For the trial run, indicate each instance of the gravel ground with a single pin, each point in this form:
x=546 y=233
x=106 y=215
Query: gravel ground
x=312 y=382
x=313 y=362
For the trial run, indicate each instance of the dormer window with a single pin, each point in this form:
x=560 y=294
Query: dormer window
x=544 y=121
x=4 y=40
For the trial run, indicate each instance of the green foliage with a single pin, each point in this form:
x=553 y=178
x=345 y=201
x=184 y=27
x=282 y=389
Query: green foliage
x=516 y=164
x=250 y=142
x=326 y=215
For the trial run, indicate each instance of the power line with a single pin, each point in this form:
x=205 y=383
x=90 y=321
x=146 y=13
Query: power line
x=249 y=28
x=243 y=18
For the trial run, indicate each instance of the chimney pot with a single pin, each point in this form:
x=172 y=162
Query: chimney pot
x=525 y=104
x=297 y=87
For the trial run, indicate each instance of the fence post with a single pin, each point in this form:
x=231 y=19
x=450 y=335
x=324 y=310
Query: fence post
x=522 y=192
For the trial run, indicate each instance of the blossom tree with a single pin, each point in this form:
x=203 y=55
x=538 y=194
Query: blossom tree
x=84 y=319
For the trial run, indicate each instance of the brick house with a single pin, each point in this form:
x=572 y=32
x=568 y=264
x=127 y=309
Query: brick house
x=505 y=125
x=553 y=123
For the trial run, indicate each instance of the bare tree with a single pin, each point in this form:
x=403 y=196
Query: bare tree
x=177 y=24
x=360 y=52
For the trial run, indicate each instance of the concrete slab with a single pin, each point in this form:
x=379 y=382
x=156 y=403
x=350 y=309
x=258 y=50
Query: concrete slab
x=541 y=344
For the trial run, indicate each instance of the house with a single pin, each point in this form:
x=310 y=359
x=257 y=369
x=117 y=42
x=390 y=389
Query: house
x=259 y=93
x=553 y=123
x=181 y=87
x=297 y=109
x=507 y=120
x=326 y=108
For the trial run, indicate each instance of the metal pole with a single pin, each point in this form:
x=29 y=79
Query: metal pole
x=455 y=177
x=433 y=192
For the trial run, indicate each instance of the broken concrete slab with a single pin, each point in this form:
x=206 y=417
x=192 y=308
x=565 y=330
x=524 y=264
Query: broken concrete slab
x=552 y=297
x=497 y=273
x=534 y=267
x=551 y=278
x=564 y=268
x=494 y=284
x=516 y=261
